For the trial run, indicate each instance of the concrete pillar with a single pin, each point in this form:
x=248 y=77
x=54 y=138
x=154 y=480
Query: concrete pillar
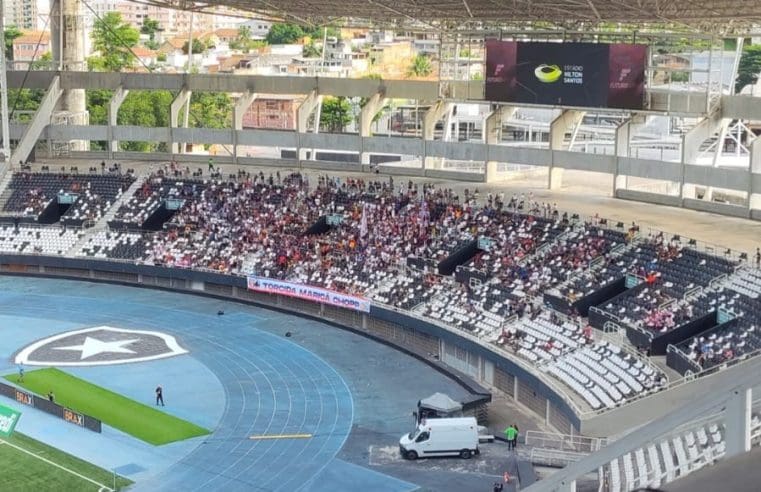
x=493 y=135
x=369 y=110
x=754 y=192
x=174 y=118
x=624 y=133
x=737 y=422
x=239 y=110
x=691 y=142
x=68 y=27
x=723 y=127
x=305 y=110
x=437 y=111
x=567 y=122
x=113 y=111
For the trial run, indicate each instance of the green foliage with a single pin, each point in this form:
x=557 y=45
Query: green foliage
x=112 y=40
x=150 y=27
x=144 y=108
x=24 y=100
x=291 y=33
x=243 y=41
x=210 y=110
x=311 y=51
x=335 y=114
x=198 y=47
x=43 y=62
x=97 y=105
x=11 y=33
x=749 y=68
x=420 y=67
x=477 y=76
x=284 y=34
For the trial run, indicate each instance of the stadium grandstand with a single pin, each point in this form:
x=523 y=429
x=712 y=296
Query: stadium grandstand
x=557 y=225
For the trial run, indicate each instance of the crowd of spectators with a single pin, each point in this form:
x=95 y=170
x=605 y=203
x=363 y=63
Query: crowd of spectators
x=386 y=240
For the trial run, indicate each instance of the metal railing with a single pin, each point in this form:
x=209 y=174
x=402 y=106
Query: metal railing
x=564 y=442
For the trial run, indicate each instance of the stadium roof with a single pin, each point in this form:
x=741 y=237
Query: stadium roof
x=721 y=15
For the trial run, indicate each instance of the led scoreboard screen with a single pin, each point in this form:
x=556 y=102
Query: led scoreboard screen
x=567 y=74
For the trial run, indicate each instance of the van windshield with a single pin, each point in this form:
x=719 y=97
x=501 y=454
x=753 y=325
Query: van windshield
x=412 y=435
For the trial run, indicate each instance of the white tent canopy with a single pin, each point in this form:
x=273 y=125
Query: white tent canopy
x=441 y=403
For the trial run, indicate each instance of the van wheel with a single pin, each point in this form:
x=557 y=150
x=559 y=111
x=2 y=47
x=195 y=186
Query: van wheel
x=465 y=454
x=411 y=455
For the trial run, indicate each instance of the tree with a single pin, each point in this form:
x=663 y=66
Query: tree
x=11 y=33
x=150 y=27
x=144 y=108
x=284 y=34
x=43 y=62
x=420 y=67
x=198 y=47
x=243 y=41
x=211 y=110
x=113 y=39
x=311 y=51
x=335 y=114
x=749 y=68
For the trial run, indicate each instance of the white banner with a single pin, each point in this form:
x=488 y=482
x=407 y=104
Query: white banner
x=314 y=294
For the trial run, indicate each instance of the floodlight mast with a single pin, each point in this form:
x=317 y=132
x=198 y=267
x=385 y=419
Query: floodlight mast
x=6 y=146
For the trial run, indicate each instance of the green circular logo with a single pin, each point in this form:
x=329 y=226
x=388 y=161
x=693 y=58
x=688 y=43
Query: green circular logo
x=548 y=73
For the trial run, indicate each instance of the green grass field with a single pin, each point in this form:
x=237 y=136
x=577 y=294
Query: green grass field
x=31 y=466
x=134 y=418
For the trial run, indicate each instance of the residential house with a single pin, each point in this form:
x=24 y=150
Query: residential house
x=30 y=46
x=273 y=112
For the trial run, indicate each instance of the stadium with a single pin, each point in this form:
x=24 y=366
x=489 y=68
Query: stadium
x=270 y=263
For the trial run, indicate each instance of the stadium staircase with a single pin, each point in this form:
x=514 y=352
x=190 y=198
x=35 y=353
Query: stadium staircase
x=102 y=223
x=673 y=455
x=6 y=192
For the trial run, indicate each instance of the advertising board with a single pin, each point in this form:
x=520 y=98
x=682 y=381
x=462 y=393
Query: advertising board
x=8 y=420
x=566 y=74
x=307 y=292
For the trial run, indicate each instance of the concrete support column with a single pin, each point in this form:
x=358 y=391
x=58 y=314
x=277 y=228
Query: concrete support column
x=754 y=182
x=174 y=118
x=737 y=422
x=723 y=127
x=113 y=111
x=305 y=110
x=624 y=133
x=239 y=110
x=67 y=32
x=567 y=122
x=515 y=388
x=437 y=111
x=493 y=136
x=691 y=142
x=366 y=116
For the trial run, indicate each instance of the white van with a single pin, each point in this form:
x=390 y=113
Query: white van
x=441 y=437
